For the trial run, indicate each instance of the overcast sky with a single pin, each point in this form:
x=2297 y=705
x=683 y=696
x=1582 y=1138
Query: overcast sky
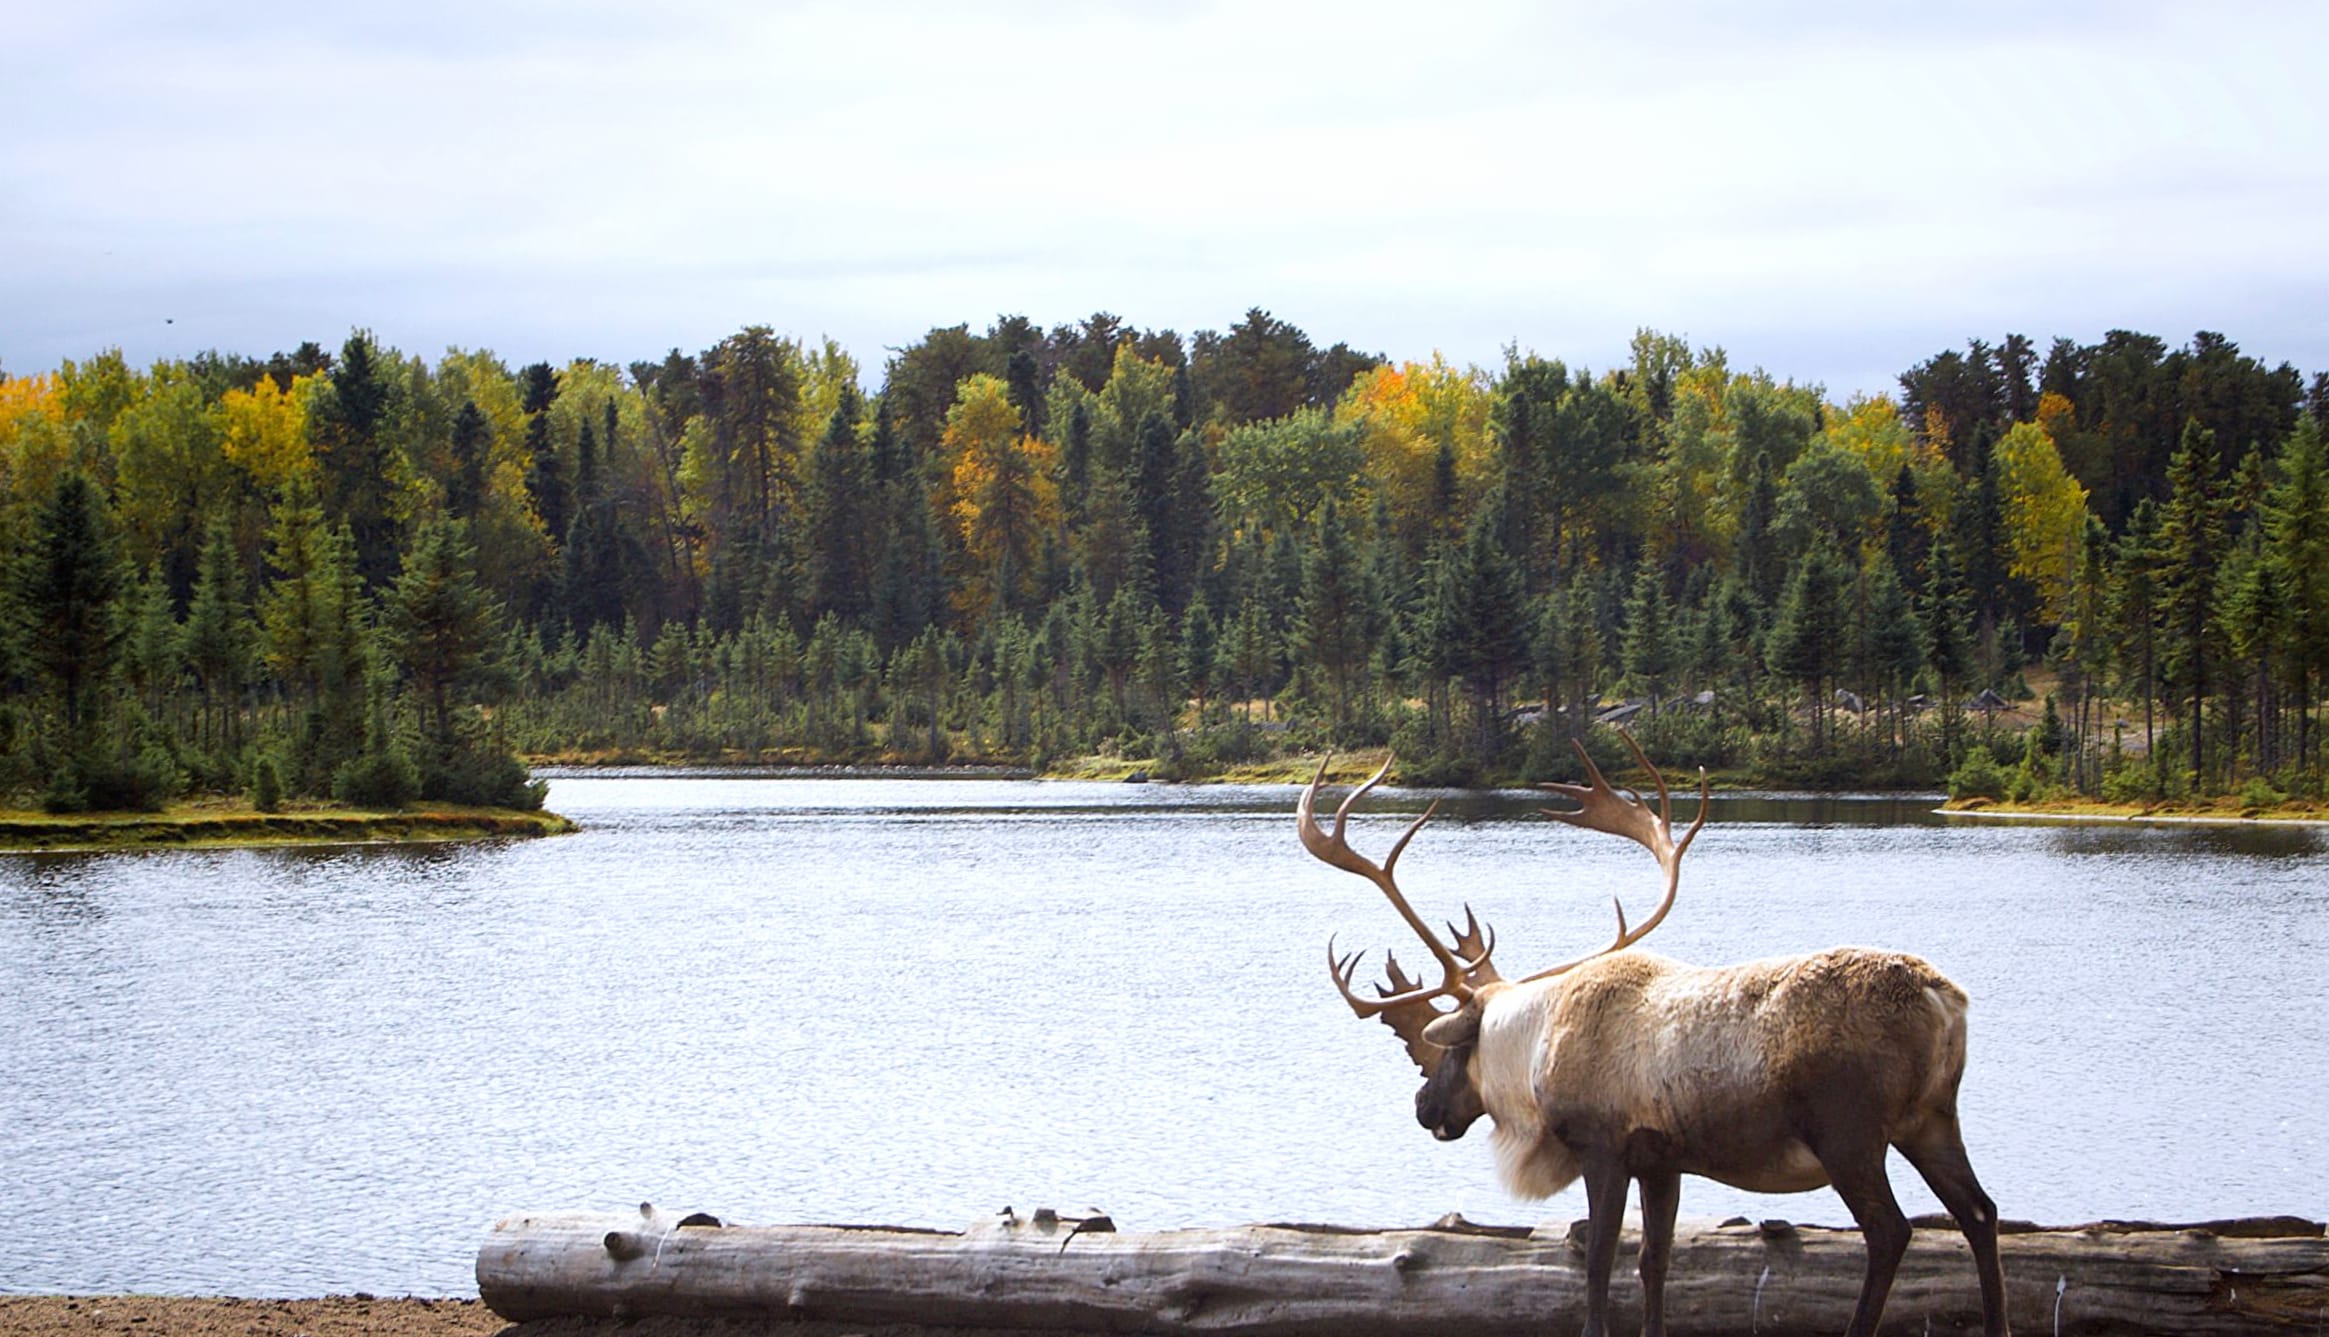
x=1831 y=192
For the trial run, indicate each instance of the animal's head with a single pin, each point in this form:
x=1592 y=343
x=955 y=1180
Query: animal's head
x=1444 y=1040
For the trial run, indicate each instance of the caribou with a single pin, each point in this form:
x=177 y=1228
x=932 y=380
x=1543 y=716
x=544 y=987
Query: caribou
x=1622 y=1067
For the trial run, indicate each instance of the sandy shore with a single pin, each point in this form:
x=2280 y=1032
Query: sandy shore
x=360 y=1315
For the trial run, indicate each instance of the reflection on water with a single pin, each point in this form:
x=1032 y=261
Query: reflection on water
x=915 y=1001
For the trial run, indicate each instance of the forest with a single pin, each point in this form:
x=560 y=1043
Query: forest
x=354 y=573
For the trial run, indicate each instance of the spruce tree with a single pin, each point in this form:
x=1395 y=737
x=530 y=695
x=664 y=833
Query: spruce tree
x=1649 y=647
x=2191 y=547
x=1329 y=632
x=471 y=442
x=219 y=633
x=1807 y=631
x=67 y=587
x=441 y=623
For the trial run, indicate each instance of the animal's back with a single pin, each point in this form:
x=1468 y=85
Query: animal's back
x=1721 y=1039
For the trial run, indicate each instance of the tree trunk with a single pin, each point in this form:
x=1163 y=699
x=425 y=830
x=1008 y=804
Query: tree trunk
x=1771 y=1280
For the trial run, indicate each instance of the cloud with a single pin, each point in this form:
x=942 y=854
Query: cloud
x=528 y=176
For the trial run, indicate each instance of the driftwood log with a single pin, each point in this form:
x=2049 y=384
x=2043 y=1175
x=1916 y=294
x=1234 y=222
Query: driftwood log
x=2264 y=1275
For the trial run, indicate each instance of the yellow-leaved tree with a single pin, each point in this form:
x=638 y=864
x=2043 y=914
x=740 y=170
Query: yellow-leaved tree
x=34 y=445
x=1001 y=493
x=263 y=431
x=2043 y=510
x=1423 y=432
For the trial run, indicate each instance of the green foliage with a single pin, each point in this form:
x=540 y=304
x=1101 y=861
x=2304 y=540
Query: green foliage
x=383 y=777
x=1979 y=776
x=1211 y=553
x=266 y=783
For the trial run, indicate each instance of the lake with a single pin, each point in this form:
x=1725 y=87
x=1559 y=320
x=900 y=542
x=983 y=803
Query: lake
x=291 y=1072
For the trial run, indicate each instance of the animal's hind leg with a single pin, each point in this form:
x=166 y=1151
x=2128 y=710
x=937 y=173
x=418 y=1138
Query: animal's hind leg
x=1854 y=1160
x=1661 y=1198
x=1939 y=1155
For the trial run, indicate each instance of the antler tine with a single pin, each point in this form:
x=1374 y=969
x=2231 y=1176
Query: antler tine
x=1604 y=808
x=1391 y=861
x=1335 y=850
x=1345 y=969
x=1401 y=982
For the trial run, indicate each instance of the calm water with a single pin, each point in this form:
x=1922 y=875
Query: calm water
x=915 y=1002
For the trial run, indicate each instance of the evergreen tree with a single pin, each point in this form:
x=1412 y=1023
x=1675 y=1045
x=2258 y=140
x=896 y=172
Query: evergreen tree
x=67 y=588
x=471 y=442
x=1948 y=639
x=838 y=518
x=152 y=651
x=1808 y=631
x=352 y=454
x=1907 y=542
x=1649 y=648
x=2135 y=609
x=1756 y=554
x=441 y=623
x=1330 y=619
x=1478 y=630
x=219 y=634
x=1895 y=641
x=2191 y=547
x=545 y=470
x=2296 y=519
x=1200 y=651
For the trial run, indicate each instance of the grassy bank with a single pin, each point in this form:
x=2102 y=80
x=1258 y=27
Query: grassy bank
x=2222 y=808
x=219 y=823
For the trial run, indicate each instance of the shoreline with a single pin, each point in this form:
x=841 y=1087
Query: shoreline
x=2137 y=818
x=231 y=828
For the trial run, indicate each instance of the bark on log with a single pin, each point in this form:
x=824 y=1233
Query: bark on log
x=1768 y=1280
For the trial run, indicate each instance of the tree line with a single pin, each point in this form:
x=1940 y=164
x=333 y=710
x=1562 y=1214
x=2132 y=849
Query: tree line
x=360 y=573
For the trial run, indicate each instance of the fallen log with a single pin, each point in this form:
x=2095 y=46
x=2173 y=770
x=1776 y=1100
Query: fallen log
x=1767 y=1279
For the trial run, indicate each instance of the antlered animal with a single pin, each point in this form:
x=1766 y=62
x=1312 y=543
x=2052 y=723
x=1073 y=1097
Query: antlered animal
x=1775 y=1076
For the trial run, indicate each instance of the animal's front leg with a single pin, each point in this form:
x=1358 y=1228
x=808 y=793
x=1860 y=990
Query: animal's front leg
x=1661 y=1199
x=1605 y=1185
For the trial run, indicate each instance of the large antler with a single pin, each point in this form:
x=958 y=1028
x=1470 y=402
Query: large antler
x=1601 y=808
x=1461 y=974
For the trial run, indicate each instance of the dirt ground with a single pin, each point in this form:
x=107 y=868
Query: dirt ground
x=360 y=1316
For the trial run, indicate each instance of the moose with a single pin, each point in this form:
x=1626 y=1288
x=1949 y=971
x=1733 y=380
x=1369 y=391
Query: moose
x=1775 y=1076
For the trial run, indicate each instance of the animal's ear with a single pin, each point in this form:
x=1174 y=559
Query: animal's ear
x=1460 y=1027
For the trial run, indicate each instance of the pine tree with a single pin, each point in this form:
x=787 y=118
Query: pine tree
x=1478 y=624
x=1807 y=631
x=1330 y=620
x=66 y=591
x=2134 y=610
x=1895 y=641
x=352 y=454
x=838 y=515
x=545 y=470
x=471 y=442
x=441 y=623
x=2191 y=548
x=219 y=634
x=1946 y=615
x=1649 y=647
x=1200 y=651
x=2296 y=521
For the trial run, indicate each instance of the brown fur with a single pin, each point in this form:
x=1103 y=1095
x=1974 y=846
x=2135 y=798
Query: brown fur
x=1775 y=1076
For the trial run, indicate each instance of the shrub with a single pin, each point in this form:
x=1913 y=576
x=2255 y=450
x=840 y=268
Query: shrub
x=1979 y=776
x=266 y=783
x=379 y=778
x=2258 y=792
